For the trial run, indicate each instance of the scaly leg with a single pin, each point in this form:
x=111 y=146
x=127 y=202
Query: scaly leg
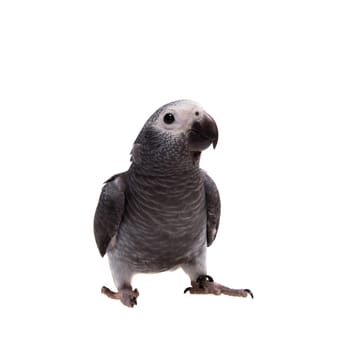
x=126 y=296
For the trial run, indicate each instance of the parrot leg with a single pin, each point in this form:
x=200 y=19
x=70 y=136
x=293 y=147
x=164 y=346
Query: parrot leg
x=206 y=285
x=126 y=296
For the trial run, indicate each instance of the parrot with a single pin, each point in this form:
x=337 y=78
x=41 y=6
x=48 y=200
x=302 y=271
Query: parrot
x=164 y=211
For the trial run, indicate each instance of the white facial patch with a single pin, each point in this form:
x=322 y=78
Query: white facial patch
x=185 y=112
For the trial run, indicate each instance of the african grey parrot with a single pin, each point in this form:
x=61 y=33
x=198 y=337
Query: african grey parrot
x=164 y=211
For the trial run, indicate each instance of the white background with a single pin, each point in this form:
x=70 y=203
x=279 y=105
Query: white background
x=78 y=80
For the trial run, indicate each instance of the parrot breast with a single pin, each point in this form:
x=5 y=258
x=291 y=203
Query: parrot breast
x=164 y=223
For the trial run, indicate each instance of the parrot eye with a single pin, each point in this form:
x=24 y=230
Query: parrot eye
x=169 y=118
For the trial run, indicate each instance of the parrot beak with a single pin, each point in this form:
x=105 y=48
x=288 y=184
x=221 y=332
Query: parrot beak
x=203 y=133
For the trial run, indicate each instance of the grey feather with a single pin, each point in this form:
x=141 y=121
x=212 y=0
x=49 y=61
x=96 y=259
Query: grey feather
x=109 y=211
x=212 y=197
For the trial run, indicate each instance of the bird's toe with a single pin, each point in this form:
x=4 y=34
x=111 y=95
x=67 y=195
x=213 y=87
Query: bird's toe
x=129 y=297
x=204 y=278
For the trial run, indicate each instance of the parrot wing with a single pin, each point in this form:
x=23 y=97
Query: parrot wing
x=213 y=208
x=109 y=211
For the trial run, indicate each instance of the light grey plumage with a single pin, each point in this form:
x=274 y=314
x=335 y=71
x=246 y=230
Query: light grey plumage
x=164 y=211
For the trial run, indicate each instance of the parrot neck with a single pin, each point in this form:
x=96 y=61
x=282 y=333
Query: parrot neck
x=165 y=170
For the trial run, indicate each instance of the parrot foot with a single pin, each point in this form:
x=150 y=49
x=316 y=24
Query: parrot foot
x=126 y=296
x=206 y=285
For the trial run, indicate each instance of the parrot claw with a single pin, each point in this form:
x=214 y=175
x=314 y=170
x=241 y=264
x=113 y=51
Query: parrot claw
x=203 y=278
x=206 y=285
x=127 y=296
x=248 y=291
x=187 y=289
x=200 y=280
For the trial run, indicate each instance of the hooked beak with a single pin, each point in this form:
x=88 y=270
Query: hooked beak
x=203 y=133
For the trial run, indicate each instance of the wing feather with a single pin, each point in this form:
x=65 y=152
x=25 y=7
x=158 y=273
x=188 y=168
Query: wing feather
x=109 y=211
x=213 y=208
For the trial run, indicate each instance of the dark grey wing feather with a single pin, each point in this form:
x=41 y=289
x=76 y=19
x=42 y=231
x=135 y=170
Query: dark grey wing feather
x=213 y=208
x=109 y=211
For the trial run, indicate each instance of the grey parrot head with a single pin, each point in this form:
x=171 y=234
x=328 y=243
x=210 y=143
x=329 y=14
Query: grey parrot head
x=174 y=136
